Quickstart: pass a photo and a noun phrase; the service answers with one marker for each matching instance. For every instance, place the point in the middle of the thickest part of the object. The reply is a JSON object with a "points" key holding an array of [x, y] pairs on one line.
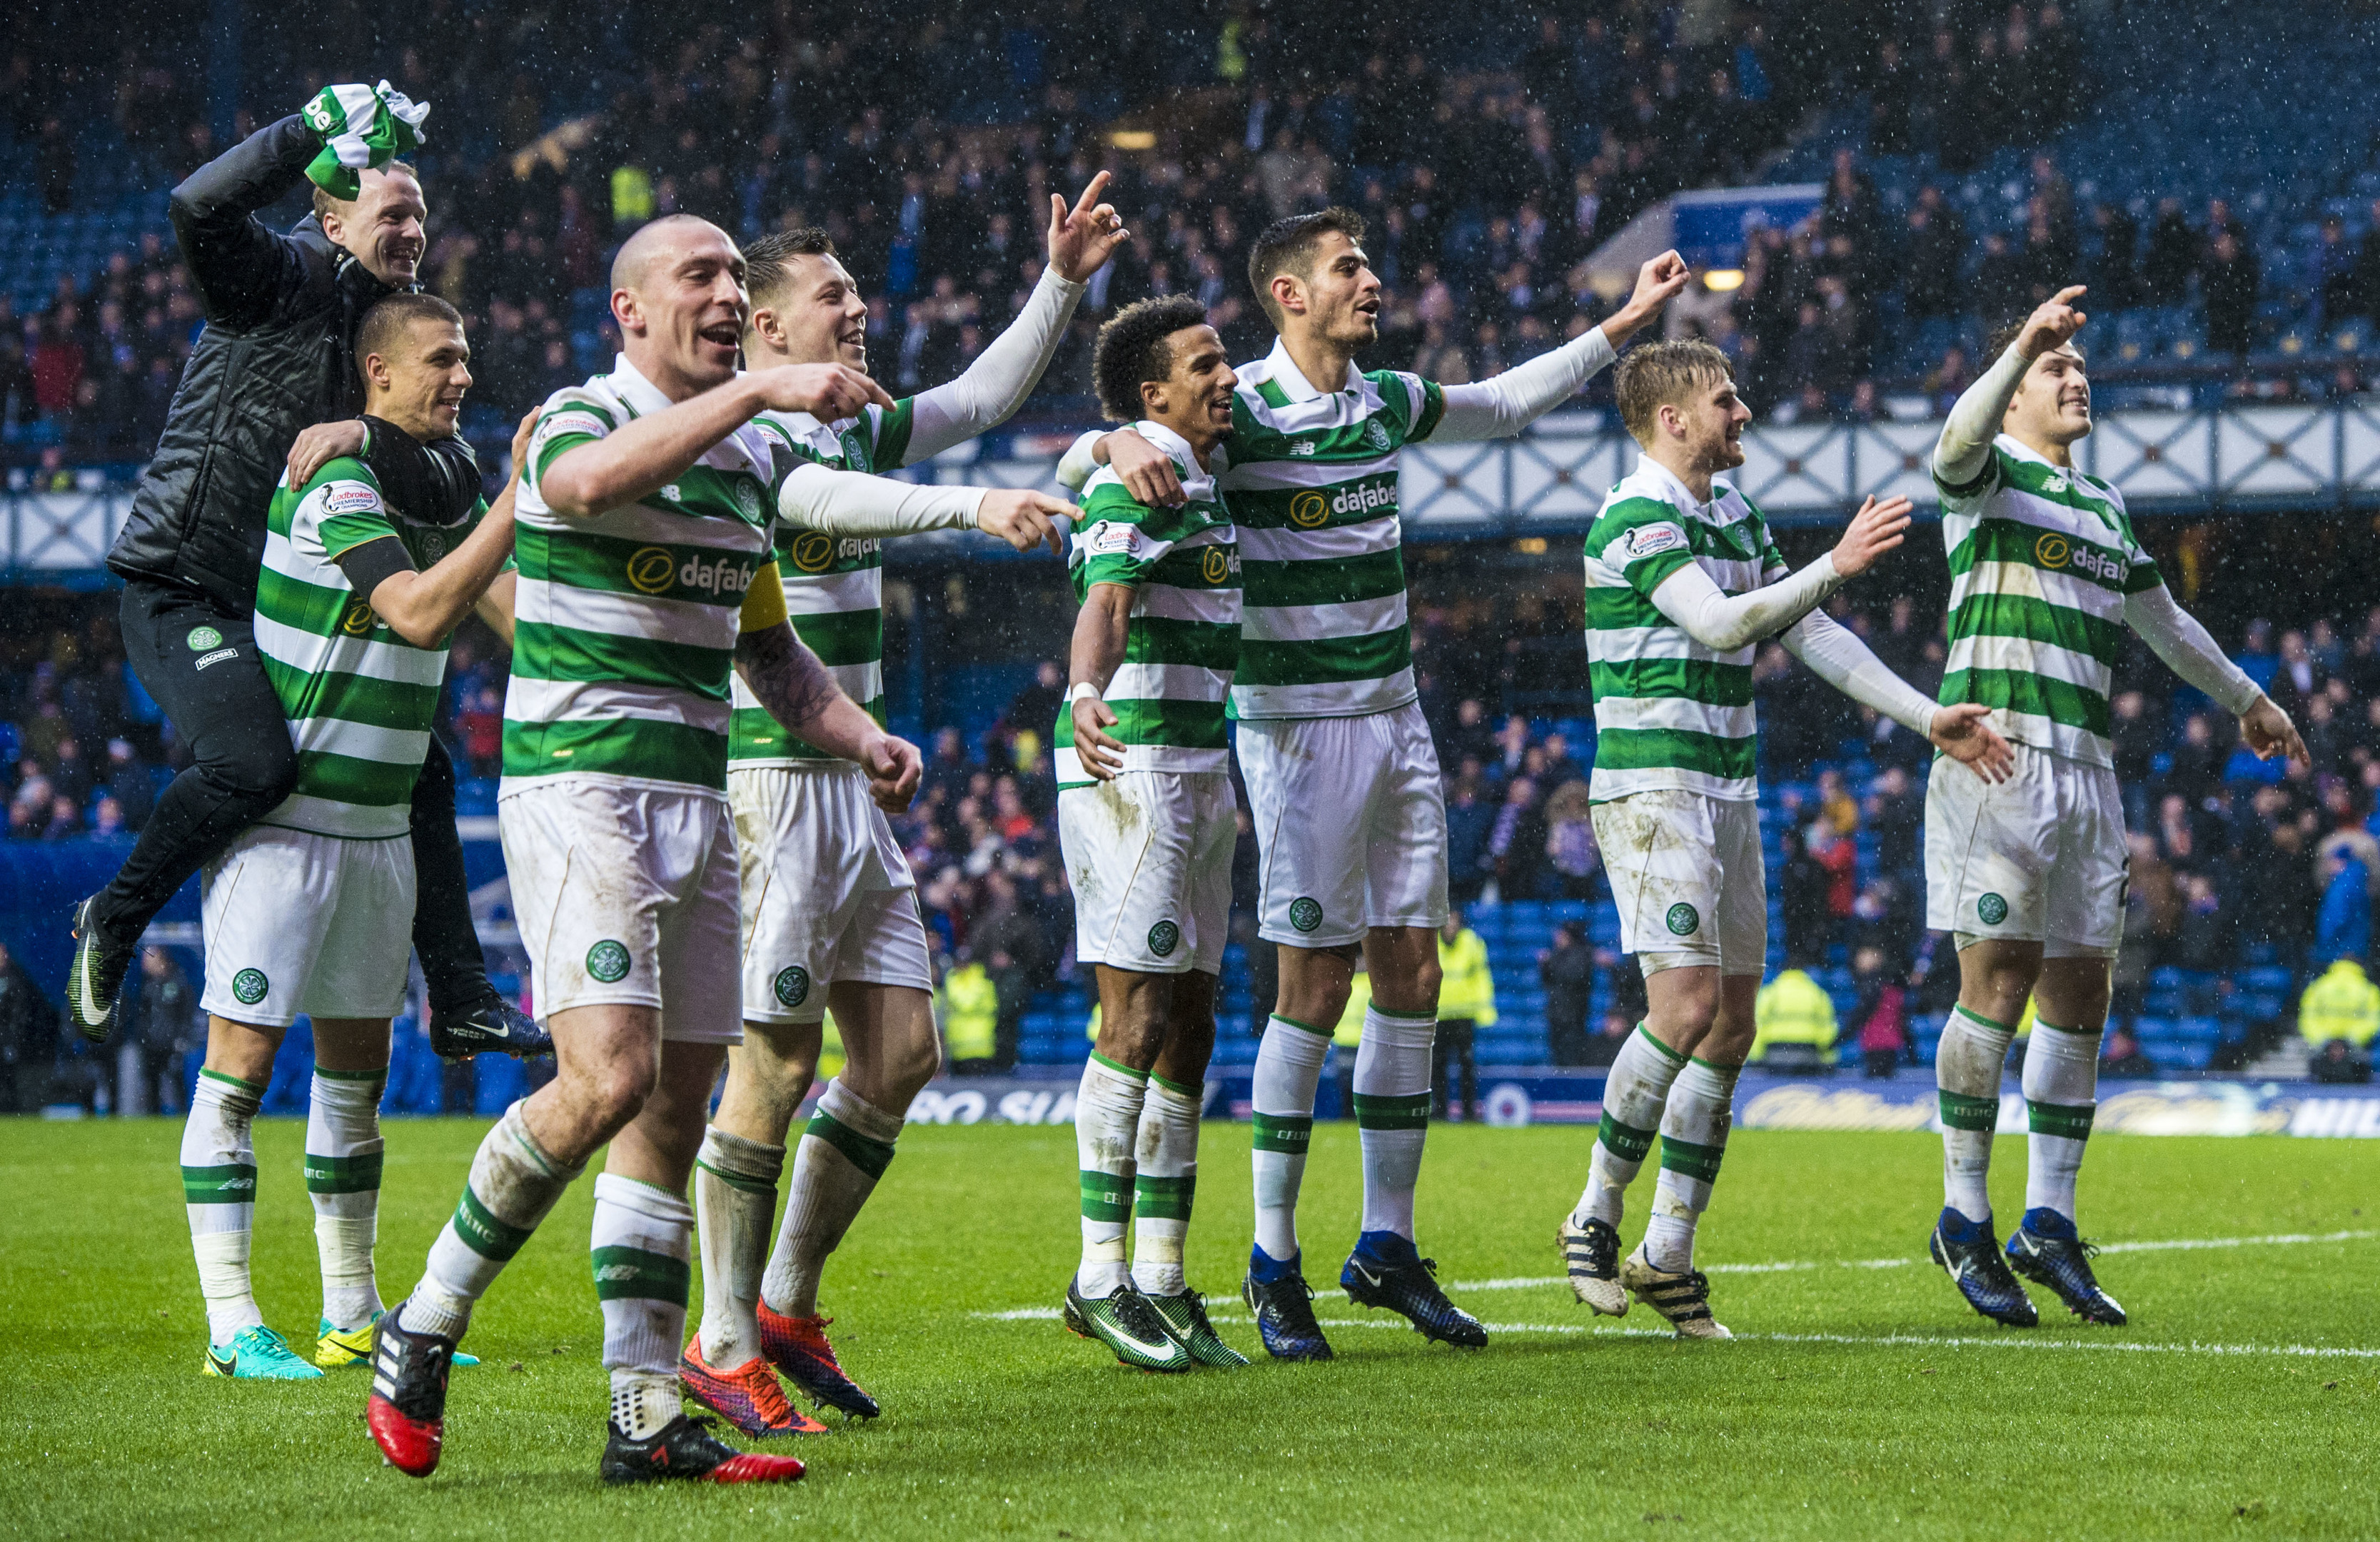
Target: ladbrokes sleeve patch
{"points": [[1649, 540], [348, 498], [571, 421], [1110, 539]]}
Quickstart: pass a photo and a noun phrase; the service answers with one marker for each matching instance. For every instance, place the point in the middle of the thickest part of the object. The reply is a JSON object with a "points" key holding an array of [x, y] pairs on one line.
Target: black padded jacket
{"points": [[276, 356]]}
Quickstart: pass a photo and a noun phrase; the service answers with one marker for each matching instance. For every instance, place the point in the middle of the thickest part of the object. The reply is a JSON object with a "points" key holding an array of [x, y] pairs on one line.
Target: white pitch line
{"points": [[1901, 1340], [2279, 1239]]}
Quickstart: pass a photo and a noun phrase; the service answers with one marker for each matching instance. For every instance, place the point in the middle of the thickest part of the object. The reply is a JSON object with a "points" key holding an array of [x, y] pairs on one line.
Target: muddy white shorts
{"points": [[625, 892], [2037, 859], [298, 923], [1687, 876], [1149, 858], [1351, 824], [828, 894]]}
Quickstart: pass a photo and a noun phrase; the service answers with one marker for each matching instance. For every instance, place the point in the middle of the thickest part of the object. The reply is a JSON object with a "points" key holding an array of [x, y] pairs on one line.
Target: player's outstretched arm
{"points": [[1101, 629], [1512, 401], [1974, 421], [638, 457], [1717, 620], [424, 606], [788, 680], [2175, 636], [1836, 655], [855, 504]]}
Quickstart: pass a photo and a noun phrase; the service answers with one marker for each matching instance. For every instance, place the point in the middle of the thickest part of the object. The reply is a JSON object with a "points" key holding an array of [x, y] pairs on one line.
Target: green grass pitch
{"points": [[2244, 1400]]}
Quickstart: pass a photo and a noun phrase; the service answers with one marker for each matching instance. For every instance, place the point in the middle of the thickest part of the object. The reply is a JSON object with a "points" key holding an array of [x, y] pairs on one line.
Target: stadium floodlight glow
{"points": [[1723, 280], [1134, 139]]}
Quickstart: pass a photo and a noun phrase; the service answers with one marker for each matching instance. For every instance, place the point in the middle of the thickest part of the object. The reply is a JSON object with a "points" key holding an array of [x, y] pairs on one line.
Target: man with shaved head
{"points": [[644, 521]]}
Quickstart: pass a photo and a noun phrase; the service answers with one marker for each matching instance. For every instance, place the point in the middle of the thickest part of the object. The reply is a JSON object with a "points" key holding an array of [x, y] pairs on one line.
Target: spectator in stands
{"points": [[2172, 257], [1517, 845], [968, 1007], [1466, 1003], [1838, 858], [1571, 848], [1793, 1023], [1566, 973], [1034, 708], [1469, 822], [2206, 942], [29, 1025], [2337, 1017], [129, 783], [1880, 1019], [2115, 274], [2343, 926], [1803, 888], [1896, 812], [1836, 804], [2229, 281], [1934, 249], [2123, 1057], [162, 1024]]}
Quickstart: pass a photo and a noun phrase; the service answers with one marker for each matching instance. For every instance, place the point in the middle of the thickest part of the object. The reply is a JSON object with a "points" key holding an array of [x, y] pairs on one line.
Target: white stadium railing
{"points": [[1553, 477]]}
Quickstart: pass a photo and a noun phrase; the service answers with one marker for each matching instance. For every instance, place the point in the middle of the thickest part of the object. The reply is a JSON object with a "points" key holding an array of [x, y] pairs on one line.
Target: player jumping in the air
{"points": [[1683, 582], [2029, 875], [354, 605], [646, 517], [1148, 820], [1342, 773], [829, 903]]}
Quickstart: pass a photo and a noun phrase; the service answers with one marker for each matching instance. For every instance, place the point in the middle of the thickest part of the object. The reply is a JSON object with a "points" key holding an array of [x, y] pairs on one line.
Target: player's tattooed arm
{"points": [[1101, 629], [780, 670]]}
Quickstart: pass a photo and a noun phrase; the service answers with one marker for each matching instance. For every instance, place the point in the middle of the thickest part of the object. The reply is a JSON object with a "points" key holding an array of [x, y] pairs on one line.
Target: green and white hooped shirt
{"points": [[1670, 713], [626, 625], [1312, 479], [2042, 557], [359, 699], [834, 584], [1184, 638]]}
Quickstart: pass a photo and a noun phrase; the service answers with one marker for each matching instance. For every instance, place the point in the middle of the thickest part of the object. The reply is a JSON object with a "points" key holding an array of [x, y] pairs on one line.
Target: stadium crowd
{"points": [[1487, 173]]}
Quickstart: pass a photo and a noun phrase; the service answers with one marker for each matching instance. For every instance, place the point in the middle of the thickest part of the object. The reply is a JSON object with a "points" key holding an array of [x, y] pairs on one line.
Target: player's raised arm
{"points": [[1965, 447], [1504, 406], [1003, 375]]}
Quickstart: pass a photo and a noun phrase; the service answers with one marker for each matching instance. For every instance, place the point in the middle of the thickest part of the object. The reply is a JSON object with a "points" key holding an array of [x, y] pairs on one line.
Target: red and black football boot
{"points": [[685, 1448], [408, 1410]]}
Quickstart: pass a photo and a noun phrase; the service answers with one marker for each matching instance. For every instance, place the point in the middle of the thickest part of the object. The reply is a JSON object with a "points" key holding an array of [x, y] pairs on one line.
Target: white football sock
{"points": [[1289, 1068], [1693, 1138], [512, 1184], [1392, 1086], [1967, 1077], [1107, 1125], [1166, 1177], [2061, 1092], [1634, 1094], [219, 1189], [734, 1201], [641, 1242], [844, 1151], [343, 1161]]}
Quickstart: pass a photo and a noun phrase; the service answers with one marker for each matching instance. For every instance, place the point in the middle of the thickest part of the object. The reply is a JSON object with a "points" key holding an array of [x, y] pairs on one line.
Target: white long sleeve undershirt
{"points": [[1975, 419], [854, 504], [1690, 598], [1836, 655], [1500, 407], [1002, 377], [2175, 636]]}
